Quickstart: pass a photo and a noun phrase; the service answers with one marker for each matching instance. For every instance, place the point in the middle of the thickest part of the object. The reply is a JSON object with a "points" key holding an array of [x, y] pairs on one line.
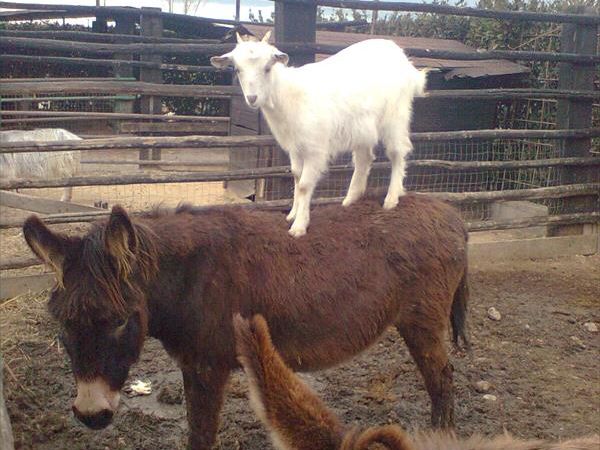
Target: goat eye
{"points": [[267, 69]]}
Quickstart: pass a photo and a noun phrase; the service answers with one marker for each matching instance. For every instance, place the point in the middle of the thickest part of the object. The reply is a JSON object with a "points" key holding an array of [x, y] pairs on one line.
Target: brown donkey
{"points": [[297, 419], [180, 276]]}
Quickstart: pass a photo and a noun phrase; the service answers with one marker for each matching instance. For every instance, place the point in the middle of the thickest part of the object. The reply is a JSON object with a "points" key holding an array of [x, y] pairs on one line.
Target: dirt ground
{"points": [[540, 360]]}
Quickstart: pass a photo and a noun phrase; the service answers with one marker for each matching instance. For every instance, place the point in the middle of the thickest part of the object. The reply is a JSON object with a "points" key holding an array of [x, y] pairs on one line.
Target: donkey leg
{"points": [[429, 352], [203, 399]]}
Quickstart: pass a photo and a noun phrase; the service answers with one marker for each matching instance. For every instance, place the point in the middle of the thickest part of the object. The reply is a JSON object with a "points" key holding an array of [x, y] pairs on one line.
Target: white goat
{"points": [[41, 164], [347, 102]]}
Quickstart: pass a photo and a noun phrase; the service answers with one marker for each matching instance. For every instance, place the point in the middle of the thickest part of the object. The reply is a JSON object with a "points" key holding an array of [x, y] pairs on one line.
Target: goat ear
{"points": [[266, 37], [281, 57], [120, 240], [239, 37], [221, 62], [48, 246]]}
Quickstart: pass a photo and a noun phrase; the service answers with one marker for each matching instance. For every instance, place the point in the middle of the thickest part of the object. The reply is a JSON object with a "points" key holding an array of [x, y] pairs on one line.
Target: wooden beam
{"points": [[116, 87], [173, 128], [19, 262], [590, 19], [267, 140], [560, 219], [538, 248], [297, 48], [115, 62], [113, 116], [40, 204], [102, 37], [23, 284]]}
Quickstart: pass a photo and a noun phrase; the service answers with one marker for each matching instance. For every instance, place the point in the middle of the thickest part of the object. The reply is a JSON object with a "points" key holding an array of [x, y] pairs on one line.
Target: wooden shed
{"points": [[430, 115]]}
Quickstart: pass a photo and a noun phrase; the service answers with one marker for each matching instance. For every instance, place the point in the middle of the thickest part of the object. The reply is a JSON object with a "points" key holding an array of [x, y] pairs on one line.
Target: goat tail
{"points": [[458, 314], [391, 437], [421, 81], [293, 414]]}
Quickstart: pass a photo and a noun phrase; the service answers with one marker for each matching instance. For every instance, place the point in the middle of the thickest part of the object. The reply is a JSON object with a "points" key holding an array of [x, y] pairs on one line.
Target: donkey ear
{"points": [[120, 240], [48, 246], [221, 62]]}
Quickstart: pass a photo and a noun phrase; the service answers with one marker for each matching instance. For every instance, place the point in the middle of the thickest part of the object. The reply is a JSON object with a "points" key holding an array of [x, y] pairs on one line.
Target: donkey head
{"points": [[100, 304]]}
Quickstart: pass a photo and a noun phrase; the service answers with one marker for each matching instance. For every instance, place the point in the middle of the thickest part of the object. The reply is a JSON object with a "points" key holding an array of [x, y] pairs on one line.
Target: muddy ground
{"points": [[541, 361]]}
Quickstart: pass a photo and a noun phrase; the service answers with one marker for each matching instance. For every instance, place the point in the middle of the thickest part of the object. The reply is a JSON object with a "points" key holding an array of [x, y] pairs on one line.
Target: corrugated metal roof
{"points": [[451, 68]]}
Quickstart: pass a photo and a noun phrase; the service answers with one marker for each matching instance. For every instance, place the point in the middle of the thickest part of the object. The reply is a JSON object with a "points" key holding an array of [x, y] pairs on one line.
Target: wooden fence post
{"points": [[124, 24], [295, 22], [576, 113], [151, 25]]}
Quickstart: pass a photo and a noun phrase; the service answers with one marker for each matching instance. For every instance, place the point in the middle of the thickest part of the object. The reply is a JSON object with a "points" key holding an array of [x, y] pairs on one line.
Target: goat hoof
{"points": [[290, 217], [347, 201], [297, 232], [390, 204]]}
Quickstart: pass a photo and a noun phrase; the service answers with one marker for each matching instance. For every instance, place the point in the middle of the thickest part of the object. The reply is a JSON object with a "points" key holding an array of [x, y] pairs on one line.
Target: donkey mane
{"points": [[107, 298]]}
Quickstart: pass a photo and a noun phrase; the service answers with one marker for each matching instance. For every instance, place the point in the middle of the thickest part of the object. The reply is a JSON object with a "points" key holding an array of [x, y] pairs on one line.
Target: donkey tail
{"points": [[391, 437], [289, 409], [458, 315]]}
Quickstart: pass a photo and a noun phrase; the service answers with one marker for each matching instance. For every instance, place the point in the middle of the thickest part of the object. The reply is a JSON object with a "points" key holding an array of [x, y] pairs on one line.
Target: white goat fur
{"points": [[40, 164], [346, 103]]}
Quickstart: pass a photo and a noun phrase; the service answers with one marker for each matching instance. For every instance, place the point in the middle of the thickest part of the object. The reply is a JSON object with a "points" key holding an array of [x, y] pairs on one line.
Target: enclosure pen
{"points": [[556, 167], [508, 134]]}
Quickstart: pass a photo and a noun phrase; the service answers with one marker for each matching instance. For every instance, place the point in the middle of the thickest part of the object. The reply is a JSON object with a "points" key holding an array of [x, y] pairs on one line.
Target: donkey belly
{"points": [[323, 341]]}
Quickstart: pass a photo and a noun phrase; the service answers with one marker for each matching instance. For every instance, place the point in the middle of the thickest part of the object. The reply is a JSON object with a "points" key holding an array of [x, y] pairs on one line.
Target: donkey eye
{"points": [[119, 325]]}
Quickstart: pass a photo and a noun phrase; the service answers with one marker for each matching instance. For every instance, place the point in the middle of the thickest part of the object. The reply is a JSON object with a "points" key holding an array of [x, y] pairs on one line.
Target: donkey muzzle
{"points": [[95, 421], [95, 404]]}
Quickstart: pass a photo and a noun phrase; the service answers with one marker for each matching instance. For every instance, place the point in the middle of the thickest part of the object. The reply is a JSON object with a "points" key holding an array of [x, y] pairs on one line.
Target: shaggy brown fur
{"points": [[181, 276], [297, 419]]}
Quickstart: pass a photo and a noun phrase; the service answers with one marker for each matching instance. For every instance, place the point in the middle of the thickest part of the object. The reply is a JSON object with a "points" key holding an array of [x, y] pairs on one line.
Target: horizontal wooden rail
{"points": [[452, 10], [296, 48], [117, 87], [510, 94], [492, 94], [112, 12], [19, 262], [158, 163], [69, 98], [88, 62], [45, 115], [453, 166], [562, 219], [136, 143], [63, 79], [459, 198], [85, 36], [272, 172]]}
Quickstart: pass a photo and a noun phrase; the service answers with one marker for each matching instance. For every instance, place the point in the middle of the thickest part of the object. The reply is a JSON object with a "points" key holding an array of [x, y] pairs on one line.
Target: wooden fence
{"points": [[295, 31]]}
